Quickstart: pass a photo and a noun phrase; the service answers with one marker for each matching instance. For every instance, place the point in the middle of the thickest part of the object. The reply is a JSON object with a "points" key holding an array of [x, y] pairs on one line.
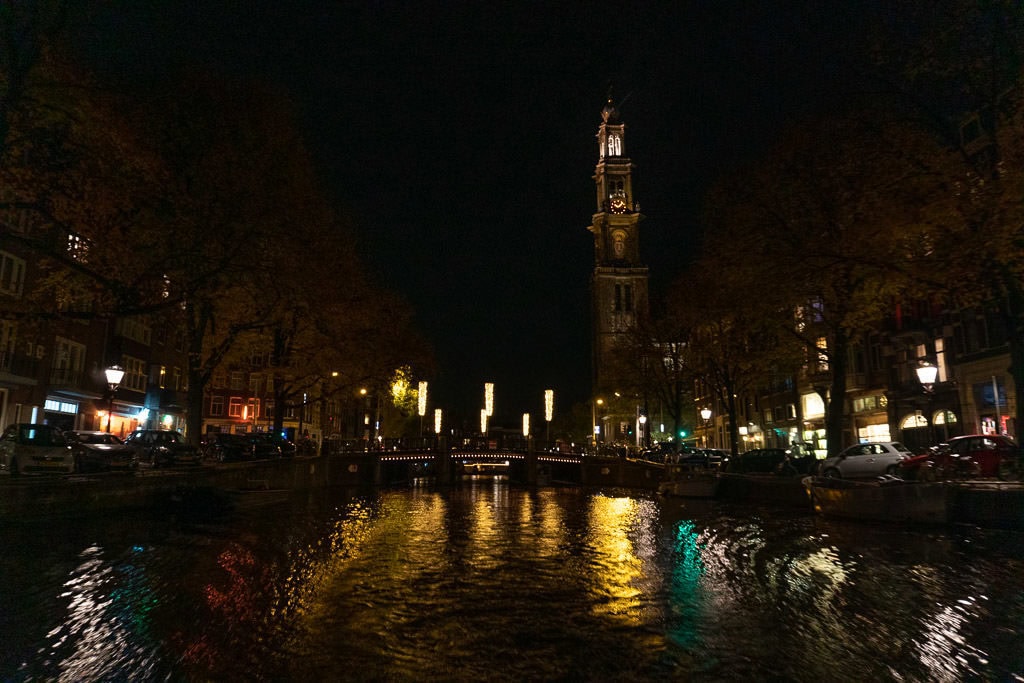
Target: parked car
{"points": [[160, 447], [35, 449], [285, 447], [995, 454], [757, 460], [870, 459], [798, 463], [263, 446], [939, 463], [224, 447], [663, 452], [705, 457], [716, 457], [100, 451]]}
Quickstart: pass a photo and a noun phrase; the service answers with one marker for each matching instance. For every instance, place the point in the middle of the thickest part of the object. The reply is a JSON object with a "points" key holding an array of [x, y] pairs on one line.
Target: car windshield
{"points": [[39, 436], [98, 438]]}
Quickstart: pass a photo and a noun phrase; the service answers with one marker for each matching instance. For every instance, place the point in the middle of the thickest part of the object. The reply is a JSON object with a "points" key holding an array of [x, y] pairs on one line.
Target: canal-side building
{"points": [[619, 282], [52, 368]]}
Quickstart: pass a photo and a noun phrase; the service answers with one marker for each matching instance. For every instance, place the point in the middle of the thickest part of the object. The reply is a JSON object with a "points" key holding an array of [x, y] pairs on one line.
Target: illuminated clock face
{"points": [[618, 205]]}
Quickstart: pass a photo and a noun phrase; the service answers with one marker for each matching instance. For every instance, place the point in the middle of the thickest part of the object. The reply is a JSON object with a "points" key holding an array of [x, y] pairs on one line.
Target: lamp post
{"points": [[641, 441], [115, 373], [926, 374], [705, 414], [593, 418]]}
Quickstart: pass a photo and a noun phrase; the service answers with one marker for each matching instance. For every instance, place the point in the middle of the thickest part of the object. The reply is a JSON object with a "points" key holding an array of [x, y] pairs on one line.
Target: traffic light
{"points": [[682, 433]]}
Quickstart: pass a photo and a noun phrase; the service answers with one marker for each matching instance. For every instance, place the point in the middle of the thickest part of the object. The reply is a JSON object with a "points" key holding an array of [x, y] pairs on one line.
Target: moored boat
{"points": [[689, 482], [888, 499]]}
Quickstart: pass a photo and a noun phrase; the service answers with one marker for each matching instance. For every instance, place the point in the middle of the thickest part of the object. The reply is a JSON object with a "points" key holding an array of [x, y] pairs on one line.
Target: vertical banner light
{"points": [[437, 420], [526, 424], [549, 412], [483, 420], [489, 398], [423, 399]]}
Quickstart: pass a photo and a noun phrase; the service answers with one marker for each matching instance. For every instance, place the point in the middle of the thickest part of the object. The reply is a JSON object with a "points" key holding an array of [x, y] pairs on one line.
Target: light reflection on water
{"points": [[489, 582]]}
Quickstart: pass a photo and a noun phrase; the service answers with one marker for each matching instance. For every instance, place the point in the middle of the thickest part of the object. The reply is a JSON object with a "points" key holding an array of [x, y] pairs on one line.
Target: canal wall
{"points": [[33, 496]]}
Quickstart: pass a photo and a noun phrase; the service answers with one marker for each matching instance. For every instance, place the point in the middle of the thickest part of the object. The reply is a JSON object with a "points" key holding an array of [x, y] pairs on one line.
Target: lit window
{"points": [[822, 345]]}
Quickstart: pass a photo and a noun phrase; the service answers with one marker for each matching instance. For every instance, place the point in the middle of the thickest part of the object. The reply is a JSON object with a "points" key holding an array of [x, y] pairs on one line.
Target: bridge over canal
{"points": [[523, 461]]}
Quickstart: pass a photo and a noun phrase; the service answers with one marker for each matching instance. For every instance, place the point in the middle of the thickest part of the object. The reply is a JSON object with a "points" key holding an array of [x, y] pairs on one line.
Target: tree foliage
{"points": [[196, 202]]}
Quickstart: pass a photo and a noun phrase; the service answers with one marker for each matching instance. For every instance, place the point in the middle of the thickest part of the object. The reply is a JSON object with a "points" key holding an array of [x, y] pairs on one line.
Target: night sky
{"points": [[459, 136]]}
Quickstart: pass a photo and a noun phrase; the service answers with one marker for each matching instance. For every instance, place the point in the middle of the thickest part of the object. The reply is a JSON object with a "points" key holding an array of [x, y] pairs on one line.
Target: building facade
{"points": [[52, 370]]}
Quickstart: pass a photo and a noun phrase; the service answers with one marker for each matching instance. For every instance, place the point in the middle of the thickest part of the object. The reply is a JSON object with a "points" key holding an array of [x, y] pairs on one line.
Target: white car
{"points": [[35, 449], [871, 459]]}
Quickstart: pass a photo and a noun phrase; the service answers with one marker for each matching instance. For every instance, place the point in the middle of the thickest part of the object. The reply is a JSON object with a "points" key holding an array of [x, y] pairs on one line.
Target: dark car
{"points": [[283, 446], [224, 447], [160, 447], [700, 457], [262, 446], [663, 452], [100, 451], [759, 460], [799, 460]]}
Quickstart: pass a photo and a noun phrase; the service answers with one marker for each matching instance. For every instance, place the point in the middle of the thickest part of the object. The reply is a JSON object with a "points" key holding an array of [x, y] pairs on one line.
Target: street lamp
{"points": [[641, 441], [926, 374], [115, 373], [593, 418], [705, 415]]}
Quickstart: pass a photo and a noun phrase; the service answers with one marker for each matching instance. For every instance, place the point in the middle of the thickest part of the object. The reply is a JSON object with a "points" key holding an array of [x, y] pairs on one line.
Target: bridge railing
{"points": [[426, 444], [429, 444]]}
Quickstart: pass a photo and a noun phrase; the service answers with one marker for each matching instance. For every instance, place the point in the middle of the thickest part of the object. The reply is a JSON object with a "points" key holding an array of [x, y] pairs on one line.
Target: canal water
{"points": [[490, 582]]}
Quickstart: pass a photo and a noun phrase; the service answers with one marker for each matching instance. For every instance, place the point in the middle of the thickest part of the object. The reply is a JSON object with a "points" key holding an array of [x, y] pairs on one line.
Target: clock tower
{"points": [[618, 286]]}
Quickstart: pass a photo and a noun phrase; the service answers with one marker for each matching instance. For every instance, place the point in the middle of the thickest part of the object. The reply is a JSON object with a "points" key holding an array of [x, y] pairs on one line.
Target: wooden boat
{"points": [[689, 481], [888, 499]]}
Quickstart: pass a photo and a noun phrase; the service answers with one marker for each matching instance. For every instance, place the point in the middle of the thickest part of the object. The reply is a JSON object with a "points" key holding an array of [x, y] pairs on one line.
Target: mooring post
{"points": [[531, 462], [443, 457]]}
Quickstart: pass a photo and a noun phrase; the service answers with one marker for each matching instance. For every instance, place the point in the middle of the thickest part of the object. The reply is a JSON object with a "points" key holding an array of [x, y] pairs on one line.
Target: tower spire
{"points": [[619, 283]]}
